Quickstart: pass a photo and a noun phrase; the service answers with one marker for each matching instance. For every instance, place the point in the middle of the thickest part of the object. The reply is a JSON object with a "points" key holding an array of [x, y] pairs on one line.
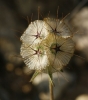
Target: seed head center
{"points": [[38, 52], [55, 48]]}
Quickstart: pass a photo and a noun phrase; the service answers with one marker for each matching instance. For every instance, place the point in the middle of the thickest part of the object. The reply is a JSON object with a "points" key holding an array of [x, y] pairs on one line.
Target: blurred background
{"points": [[15, 15]]}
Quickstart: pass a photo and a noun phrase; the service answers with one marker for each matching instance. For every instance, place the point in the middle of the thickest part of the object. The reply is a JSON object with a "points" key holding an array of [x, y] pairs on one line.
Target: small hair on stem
{"points": [[38, 12], [57, 11]]}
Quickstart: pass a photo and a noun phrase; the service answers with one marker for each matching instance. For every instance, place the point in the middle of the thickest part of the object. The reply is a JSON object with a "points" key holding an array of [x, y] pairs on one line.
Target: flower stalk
{"points": [[51, 89]]}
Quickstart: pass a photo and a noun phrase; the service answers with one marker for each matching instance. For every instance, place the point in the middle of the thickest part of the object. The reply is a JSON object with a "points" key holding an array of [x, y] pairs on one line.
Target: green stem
{"points": [[51, 88]]}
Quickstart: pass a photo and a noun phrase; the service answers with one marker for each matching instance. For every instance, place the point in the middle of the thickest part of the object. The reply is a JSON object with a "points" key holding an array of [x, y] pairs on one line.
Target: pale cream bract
{"points": [[59, 51], [34, 57], [35, 33], [58, 27]]}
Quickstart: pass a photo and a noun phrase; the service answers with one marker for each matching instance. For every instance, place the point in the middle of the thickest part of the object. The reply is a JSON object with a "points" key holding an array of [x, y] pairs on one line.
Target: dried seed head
{"points": [[47, 45]]}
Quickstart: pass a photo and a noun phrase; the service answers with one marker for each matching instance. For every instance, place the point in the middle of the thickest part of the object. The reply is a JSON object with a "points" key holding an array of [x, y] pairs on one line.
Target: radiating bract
{"points": [[59, 51], [58, 27], [34, 57], [35, 33]]}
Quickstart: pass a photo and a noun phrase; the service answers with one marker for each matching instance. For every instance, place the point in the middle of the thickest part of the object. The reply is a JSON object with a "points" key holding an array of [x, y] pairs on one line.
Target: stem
{"points": [[51, 89]]}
